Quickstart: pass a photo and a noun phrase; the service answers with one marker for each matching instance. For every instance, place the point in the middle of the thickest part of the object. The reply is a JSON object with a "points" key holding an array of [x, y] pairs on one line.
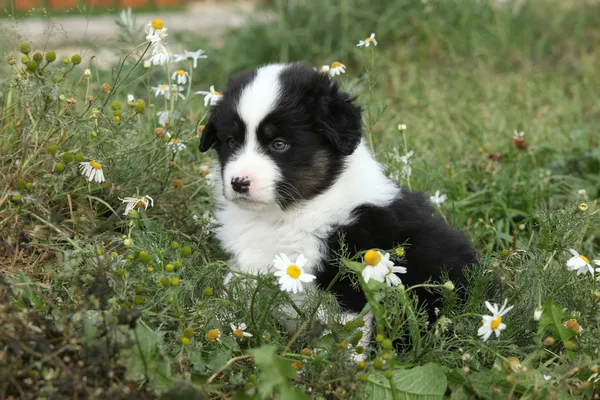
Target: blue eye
{"points": [[279, 145]]}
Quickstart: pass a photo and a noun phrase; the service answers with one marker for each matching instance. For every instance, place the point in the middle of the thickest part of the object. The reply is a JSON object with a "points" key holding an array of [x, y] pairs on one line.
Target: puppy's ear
{"points": [[341, 120], [208, 137]]}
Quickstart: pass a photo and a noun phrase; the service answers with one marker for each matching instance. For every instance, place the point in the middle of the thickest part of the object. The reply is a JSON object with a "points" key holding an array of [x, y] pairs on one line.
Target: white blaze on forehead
{"points": [[259, 98]]}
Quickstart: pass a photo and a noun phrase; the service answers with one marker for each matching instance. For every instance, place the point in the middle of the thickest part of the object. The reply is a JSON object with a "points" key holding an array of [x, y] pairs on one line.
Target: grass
{"points": [[131, 303]]}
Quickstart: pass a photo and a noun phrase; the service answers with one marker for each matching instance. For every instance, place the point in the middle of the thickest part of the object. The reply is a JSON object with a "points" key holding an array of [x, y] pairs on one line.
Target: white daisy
{"points": [[537, 313], [180, 76], [160, 55], [337, 68], [174, 143], [163, 117], [391, 279], [161, 90], [579, 263], [211, 97], [493, 323], [291, 275], [239, 332], [368, 41], [377, 265], [438, 199], [139, 202], [156, 33], [190, 55], [176, 89], [130, 99], [92, 170]]}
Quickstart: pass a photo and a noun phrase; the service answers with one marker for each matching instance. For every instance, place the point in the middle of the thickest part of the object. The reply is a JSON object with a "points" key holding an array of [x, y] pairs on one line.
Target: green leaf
{"points": [[276, 373], [552, 319], [427, 382], [353, 265]]}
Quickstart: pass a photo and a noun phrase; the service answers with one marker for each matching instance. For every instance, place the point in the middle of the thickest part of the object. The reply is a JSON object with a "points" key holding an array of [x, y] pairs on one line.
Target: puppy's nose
{"points": [[240, 185]]}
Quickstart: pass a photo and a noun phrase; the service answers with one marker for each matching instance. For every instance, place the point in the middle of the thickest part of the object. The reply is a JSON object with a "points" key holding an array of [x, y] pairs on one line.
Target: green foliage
{"points": [[137, 302]]}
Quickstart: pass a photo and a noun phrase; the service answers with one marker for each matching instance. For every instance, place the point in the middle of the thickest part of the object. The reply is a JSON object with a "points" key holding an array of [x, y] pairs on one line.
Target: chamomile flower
{"points": [[174, 143], [92, 170], [163, 117], [239, 331], [139, 202], [337, 68], [493, 323], [579, 263], [130, 99], [211, 97], [378, 265], [161, 90], [180, 76], [391, 279], [160, 55], [438, 198], [213, 335], [537, 313], [291, 275], [156, 33], [191, 56], [368, 41]]}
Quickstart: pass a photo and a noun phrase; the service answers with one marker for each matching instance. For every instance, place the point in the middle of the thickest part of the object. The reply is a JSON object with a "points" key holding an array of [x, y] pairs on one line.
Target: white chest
{"points": [[254, 242]]}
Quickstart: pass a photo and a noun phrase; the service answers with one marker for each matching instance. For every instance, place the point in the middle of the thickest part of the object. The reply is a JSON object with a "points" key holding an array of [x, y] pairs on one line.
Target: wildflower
{"points": [[337, 68], [164, 90], [573, 325], [214, 335], [378, 266], [537, 313], [191, 56], [174, 143], [512, 364], [92, 170], [185, 340], [438, 199], [239, 332], [519, 140], [147, 64], [405, 160], [139, 202], [291, 275], [163, 117], [579, 263], [547, 377], [494, 322], [391, 279], [87, 73], [106, 87], [211, 97], [401, 127], [156, 33], [130, 100], [448, 285], [160, 56], [180, 76], [368, 41], [583, 207]]}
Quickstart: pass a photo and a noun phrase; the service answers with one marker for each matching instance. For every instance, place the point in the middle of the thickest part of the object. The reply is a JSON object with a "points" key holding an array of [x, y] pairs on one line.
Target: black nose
{"points": [[240, 185]]}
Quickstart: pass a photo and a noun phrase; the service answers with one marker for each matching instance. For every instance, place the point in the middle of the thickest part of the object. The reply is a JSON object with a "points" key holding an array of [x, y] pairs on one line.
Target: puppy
{"points": [[295, 173]]}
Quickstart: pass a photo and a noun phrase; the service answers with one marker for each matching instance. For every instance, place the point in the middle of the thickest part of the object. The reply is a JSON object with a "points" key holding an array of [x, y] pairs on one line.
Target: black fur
{"points": [[432, 246]]}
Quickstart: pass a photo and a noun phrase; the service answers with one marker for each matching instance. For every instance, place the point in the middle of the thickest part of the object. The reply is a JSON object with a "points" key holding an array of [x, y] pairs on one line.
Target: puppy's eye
{"points": [[231, 142], [279, 145]]}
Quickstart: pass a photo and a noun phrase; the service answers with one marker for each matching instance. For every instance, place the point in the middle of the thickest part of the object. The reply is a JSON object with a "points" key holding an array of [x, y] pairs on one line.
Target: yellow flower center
{"points": [[369, 39], [174, 140], [158, 24], [584, 258], [573, 325], [294, 271], [583, 206], [372, 257], [297, 366], [336, 64], [163, 86], [140, 203], [213, 335], [238, 333], [180, 72], [95, 165], [216, 93], [496, 322], [389, 271]]}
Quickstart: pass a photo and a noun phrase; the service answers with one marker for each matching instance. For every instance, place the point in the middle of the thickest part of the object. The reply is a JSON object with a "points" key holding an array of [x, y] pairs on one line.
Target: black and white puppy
{"points": [[295, 172]]}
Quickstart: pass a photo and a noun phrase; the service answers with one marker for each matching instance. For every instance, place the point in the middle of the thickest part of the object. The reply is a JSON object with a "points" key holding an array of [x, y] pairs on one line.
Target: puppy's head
{"points": [[282, 133]]}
